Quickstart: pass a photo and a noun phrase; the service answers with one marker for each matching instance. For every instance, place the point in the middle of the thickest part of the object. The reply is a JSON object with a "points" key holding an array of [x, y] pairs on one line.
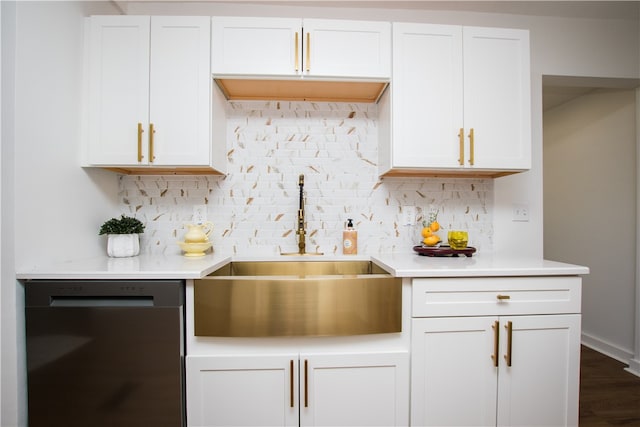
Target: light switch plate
{"points": [[521, 212]]}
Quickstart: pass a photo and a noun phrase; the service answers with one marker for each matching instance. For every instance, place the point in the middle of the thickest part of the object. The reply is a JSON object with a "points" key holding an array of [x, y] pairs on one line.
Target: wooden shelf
{"points": [[301, 90], [446, 173], [163, 171]]}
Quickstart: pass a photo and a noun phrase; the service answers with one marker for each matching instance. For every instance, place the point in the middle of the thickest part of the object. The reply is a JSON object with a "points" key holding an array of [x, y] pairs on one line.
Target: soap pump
{"points": [[349, 239]]}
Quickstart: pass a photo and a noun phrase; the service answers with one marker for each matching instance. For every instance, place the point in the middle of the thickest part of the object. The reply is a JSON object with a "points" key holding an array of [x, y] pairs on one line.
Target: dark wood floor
{"points": [[609, 395]]}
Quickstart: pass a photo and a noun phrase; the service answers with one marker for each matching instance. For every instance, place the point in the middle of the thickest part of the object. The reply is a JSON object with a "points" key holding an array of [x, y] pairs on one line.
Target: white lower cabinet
{"points": [[306, 389], [506, 368]]}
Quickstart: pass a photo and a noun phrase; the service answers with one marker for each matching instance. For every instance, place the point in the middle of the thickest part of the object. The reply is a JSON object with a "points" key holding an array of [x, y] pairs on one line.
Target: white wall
{"points": [[51, 207], [590, 209], [59, 207], [49, 110], [1, 157], [11, 389]]}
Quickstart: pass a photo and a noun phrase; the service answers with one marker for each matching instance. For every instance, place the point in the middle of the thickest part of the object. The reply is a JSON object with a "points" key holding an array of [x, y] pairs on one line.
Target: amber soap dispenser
{"points": [[350, 239]]}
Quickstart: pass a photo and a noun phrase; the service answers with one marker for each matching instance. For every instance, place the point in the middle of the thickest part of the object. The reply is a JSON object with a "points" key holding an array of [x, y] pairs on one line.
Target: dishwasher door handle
{"points": [[98, 301]]}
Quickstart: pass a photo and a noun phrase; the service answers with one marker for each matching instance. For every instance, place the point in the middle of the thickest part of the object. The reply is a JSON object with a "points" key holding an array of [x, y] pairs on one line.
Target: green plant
{"points": [[122, 225]]}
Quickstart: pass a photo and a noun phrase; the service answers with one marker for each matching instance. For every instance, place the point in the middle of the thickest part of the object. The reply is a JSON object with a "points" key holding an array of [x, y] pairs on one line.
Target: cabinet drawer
{"points": [[495, 296]]}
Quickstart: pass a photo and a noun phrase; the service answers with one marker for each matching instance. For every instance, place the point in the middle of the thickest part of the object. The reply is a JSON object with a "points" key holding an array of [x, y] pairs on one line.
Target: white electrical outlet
{"points": [[408, 215], [521, 212], [200, 214]]}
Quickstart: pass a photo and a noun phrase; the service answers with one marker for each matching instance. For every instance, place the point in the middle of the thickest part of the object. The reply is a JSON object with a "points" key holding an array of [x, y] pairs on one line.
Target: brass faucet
{"points": [[300, 231]]}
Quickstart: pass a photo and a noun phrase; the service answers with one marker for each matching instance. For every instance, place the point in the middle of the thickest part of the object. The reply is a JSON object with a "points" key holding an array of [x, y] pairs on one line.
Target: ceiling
{"points": [[575, 9], [554, 96], [557, 90]]}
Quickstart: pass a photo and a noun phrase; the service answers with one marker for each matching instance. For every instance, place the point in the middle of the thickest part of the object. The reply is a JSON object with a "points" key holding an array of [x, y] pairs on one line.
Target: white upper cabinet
{"points": [[459, 102], [179, 91], [497, 97], [149, 93], [301, 59], [301, 47], [256, 46], [118, 96], [334, 48]]}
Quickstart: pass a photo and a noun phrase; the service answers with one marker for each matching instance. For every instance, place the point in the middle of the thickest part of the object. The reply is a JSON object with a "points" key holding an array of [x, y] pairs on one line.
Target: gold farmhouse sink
{"points": [[297, 298]]}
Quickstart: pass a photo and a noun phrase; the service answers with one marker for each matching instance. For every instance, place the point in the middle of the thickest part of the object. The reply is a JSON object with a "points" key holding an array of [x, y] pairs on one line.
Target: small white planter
{"points": [[123, 245]]}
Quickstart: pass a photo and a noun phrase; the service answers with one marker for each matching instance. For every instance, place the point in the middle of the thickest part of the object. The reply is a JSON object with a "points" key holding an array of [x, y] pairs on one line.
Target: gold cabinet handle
{"points": [[306, 383], [152, 132], [461, 148], [297, 52], [291, 402], [140, 131], [471, 146], [496, 343], [509, 328], [503, 297], [307, 61]]}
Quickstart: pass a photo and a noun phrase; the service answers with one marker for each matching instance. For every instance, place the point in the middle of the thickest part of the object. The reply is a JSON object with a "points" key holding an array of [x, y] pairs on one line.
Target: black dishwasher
{"points": [[105, 353]]}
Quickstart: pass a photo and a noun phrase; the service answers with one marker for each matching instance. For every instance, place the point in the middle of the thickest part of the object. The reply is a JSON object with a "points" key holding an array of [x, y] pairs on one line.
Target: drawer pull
{"points": [[496, 342], [503, 297], [509, 328]]}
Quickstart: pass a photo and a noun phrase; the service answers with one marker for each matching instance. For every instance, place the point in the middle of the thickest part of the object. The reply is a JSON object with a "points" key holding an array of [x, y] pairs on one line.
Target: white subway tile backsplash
{"points": [[334, 145]]}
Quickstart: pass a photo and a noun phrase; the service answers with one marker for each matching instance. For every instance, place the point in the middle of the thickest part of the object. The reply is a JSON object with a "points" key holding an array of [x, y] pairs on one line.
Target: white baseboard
{"points": [[604, 347], [634, 367]]}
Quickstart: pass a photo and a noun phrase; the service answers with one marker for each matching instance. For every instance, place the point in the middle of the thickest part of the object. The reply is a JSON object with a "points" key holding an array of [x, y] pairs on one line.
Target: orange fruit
{"points": [[426, 232], [431, 240], [434, 226]]}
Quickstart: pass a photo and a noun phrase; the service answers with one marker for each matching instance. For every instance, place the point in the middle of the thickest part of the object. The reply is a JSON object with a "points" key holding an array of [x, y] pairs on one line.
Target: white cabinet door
{"points": [[256, 46], [337, 48], [149, 91], [453, 377], [354, 389], [370, 389], [118, 68], [242, 390], [426, 95], [180, 88], [460, 377], [541, 387], [460, 99], [293, 47], [497, 97]]}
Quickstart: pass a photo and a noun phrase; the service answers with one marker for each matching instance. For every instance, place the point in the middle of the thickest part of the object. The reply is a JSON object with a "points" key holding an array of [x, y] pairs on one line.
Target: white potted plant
{"points": [[123, 236]]}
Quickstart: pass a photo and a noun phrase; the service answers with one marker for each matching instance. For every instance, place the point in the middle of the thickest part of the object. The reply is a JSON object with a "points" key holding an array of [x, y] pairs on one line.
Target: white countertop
{"points": [[138, 267], [408, 264]]}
